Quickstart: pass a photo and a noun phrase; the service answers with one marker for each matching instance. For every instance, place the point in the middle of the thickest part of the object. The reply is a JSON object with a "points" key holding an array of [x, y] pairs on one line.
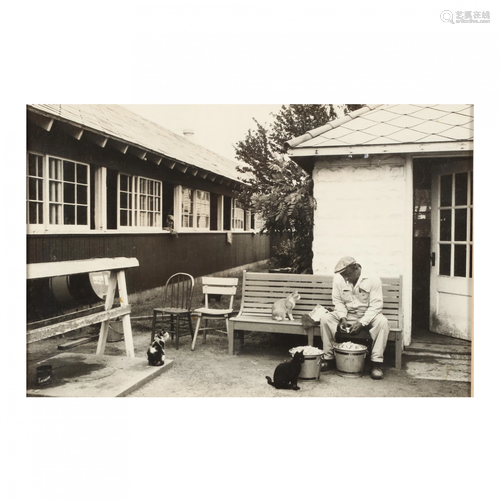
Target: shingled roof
{"points": [[116, 122], [385, 128]]}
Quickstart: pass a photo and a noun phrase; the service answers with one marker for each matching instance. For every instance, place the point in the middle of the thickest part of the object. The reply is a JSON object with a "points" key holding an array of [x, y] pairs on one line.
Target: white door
{"points": [[451, 247]]}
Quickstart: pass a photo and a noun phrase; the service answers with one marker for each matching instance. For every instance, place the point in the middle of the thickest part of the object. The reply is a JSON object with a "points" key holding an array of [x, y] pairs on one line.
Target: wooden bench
{"points": [[261, 290], [117, 267]]}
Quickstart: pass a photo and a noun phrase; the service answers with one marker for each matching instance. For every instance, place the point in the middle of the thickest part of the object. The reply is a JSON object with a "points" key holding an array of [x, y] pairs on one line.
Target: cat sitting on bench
{"points": [[286, 374], [282, 308], [156, 351]]}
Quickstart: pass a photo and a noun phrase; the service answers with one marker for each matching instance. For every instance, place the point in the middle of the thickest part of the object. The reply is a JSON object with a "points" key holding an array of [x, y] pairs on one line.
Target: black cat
{"points": [[286, 374], [156, 351]]}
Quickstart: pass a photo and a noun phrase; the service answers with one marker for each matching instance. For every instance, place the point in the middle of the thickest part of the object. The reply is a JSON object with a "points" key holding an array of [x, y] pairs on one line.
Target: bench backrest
{"points": [[261, 290], [393, 301]]}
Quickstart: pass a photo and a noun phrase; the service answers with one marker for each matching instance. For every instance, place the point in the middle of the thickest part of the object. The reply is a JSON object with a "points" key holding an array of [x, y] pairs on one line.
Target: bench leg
{"points": [[310, 336], [399, 350], [230, 337]]}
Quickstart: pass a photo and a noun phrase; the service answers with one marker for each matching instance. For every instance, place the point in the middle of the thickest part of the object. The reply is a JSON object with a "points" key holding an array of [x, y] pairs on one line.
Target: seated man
{"points": [[358, 303]]}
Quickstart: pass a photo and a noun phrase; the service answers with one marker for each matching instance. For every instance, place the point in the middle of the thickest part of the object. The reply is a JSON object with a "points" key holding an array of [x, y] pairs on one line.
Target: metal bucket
{"points": [[350, 363], [311, 367]]}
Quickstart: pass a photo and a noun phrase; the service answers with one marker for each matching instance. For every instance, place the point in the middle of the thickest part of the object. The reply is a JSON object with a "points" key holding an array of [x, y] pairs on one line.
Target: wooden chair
{"points": [[214, 287], [176, 304]]}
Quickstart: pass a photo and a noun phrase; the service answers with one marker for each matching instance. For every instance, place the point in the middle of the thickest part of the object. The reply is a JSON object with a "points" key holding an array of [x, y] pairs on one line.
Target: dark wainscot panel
{"points": [[159, 255]]}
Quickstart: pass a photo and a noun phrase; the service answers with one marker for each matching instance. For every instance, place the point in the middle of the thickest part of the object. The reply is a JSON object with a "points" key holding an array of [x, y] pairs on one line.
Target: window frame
{"points": [[46, 226], [135, 209], [195, 214], [241, 219]]}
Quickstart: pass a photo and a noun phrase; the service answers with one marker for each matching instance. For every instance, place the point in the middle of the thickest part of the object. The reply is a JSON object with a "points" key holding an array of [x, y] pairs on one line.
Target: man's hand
{"points": [[355, 328], [343, 325]]}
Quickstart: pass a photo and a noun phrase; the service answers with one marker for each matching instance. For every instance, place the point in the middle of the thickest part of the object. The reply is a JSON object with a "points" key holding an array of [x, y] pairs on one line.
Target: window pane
{"points": [[69, 193], [460, 260], [123, 182], [461, 188], [445, 225], [32, 213], [446, 181], [40, 166], [461, 224], [54, 191], [123, 218], [69, 171], [54, 172], [123, 200], [81, 194], [444, 260], [81, 174], [40, 190], [32, 170], [81, 215], [471, 188], [32, 183], [69, 214]]}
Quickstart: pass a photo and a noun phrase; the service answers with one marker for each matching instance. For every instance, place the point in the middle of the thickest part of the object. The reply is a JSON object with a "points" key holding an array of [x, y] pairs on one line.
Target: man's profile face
{"points": [[349, 273]]}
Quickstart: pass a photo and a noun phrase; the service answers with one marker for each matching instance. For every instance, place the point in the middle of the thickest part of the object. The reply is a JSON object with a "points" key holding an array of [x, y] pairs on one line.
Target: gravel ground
{"points": [[210, 372]]}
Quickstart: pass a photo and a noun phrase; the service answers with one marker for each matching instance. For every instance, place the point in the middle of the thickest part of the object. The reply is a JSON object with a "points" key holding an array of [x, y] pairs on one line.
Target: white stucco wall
{"points": [[363, 211]]}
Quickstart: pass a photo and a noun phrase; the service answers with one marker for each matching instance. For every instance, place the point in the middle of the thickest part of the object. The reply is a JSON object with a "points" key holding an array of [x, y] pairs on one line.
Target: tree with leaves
{"points": [[277, 189]]}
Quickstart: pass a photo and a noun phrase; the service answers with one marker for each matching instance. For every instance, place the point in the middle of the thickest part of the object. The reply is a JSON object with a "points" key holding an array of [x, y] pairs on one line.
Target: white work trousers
{"points": [[379, 332]]}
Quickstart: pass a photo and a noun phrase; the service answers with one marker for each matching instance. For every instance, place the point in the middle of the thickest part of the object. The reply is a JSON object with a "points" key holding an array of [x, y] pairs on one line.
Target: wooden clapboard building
{"points": [[105, 182]]}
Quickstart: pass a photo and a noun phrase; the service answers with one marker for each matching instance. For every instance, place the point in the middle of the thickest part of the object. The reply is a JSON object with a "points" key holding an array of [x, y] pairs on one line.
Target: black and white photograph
{"points": [[218, 284], [158, 267]]}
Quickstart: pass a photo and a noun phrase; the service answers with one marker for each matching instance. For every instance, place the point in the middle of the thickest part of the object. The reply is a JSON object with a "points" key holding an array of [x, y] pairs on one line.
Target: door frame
{"points": [[408, 261]]}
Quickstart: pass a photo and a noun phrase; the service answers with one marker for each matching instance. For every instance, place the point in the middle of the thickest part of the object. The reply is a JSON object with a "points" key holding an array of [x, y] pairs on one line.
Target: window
{"points": [[35, 197], [237, 215], [258, 222], [57, 192], [194, 208], [139, 201], [455, 225]]}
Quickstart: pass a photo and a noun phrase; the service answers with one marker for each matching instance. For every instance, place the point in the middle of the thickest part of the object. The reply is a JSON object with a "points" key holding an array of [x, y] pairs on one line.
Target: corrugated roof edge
{"points": [[296, 141]]}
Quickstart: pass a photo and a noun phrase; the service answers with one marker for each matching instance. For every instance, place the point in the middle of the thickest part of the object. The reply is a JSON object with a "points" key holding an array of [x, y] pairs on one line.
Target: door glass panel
{"points": [[444, 260], [445, 225], [461, 224], [446, 181], [461, 188], [471, 189], [460, 260], [470, 261], [471, 225]]}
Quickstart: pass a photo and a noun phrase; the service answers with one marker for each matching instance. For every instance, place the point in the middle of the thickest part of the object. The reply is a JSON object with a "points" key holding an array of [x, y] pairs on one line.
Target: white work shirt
{"points": [[363, 300]]}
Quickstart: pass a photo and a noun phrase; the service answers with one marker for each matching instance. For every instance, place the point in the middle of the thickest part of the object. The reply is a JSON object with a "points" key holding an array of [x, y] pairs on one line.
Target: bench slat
{"points": [[316, 278]]}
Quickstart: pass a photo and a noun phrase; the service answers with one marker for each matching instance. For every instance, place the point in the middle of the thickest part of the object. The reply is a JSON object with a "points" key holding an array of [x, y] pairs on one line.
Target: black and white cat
{"points": [[156, 351], [286, 374]]}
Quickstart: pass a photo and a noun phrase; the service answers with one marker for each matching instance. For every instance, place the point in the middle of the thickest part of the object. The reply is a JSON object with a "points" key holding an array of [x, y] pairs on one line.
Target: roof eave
{"points": [[413, 147], [156, 156]]}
